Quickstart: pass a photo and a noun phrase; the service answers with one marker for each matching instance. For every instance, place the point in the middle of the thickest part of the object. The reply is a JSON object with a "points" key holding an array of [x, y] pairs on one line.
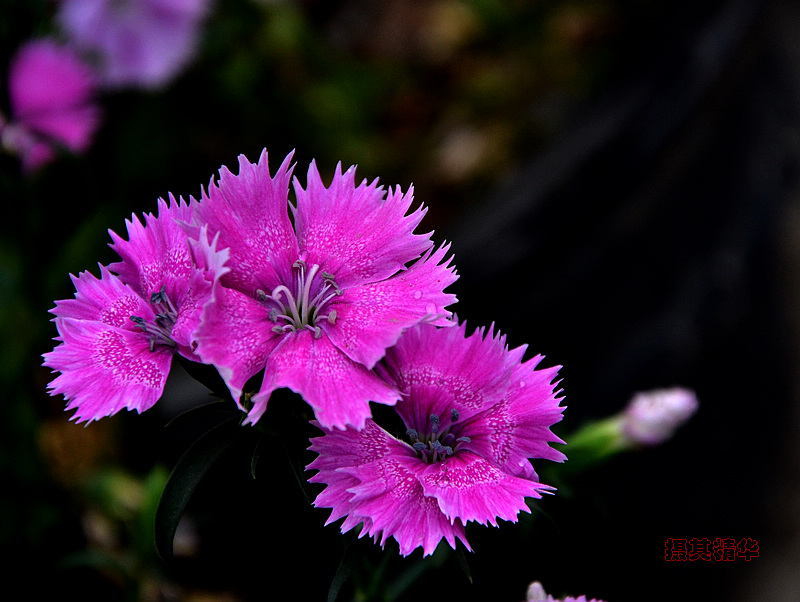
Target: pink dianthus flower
{"points": [[474, 414], [118, 335], [51, 97], [316, 302]]}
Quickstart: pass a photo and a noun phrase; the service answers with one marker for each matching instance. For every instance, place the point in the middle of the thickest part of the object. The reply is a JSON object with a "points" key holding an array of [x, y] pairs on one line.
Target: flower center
{"points": [[293, 310], [438, 442], [160, 327]]}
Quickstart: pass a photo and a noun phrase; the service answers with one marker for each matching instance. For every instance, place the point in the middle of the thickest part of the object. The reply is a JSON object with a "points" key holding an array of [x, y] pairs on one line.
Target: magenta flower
{"points": [[51, 96], [316, 304], [474, 414], [137, 42], [119, 333]]}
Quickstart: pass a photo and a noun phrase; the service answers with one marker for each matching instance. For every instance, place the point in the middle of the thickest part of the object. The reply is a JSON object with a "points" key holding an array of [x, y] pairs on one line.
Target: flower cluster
{"points": [[337, 298], [312, 302]]}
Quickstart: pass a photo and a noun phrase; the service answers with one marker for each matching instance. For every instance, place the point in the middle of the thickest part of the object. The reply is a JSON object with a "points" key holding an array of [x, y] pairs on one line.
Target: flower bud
{"points": [[652, 417]]}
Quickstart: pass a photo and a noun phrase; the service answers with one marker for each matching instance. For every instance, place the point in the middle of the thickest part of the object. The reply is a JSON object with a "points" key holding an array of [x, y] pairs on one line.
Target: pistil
{"points": [[438, 443]]}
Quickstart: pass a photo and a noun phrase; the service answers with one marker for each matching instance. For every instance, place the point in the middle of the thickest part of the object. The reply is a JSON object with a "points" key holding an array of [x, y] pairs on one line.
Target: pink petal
{"points": [[210, 265], [518, 427], [342, 449], [207, 256], [235, 335], [249, 212], [158, 253], [372, 317], [358, 234], [470, 488], [105, 369], [337, 388], [438, 370], [105, 300], [191, 306], [392, 497]]}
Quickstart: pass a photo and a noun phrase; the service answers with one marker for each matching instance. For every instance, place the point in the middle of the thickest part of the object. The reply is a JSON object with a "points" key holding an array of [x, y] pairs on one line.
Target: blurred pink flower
{"points": [[51, 96], [142, 43]]}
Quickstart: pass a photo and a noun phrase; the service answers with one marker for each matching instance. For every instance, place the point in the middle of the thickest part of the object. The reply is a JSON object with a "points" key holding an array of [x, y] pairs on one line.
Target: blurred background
{"points": [[619, 180]]}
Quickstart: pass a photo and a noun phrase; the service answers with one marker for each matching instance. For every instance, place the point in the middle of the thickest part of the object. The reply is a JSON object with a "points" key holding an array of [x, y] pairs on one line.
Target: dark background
{"points": [[619, 181]]}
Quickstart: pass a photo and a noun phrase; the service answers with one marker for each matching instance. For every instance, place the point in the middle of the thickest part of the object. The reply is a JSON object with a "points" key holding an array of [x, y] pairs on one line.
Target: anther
{"points": [[454, 415], [441, 449], [434, 423]]}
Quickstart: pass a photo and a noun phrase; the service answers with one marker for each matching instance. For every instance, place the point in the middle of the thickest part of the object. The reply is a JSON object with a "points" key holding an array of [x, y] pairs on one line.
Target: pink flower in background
{"points": [[119, 333], [652, 417], [316, 303], [536, 593], [474, 414], [51, 96], [142, 43]]}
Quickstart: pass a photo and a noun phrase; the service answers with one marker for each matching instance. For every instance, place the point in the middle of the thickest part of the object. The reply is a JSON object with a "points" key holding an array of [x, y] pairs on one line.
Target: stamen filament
{"points": [[439, 443], [160, 327], [289, 298], [298, 309]]}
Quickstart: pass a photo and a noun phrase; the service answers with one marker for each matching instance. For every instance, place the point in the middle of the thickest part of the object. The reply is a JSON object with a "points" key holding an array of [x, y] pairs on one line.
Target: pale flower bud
{"points": [[652, 417], [536, 593]]}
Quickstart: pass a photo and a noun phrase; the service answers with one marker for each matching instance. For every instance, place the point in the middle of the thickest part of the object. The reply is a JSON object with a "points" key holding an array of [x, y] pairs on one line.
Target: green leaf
{"points": [[144, 535], [219, 407], [343, 572], [262, 443], [185, 477], [462, 562]]}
